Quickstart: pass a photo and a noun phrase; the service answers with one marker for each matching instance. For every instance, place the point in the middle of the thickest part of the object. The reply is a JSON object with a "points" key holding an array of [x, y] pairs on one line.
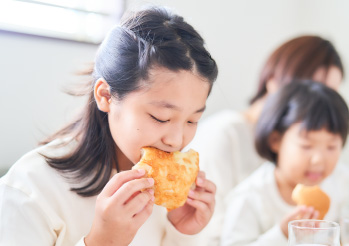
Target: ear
{"points": [[274, 141], [102, 95], [272, 86]]}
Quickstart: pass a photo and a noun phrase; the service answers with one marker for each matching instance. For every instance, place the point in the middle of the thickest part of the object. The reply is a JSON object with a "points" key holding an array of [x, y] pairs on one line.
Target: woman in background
{"points": [[225, 140], [149, 86], [301, 132]]}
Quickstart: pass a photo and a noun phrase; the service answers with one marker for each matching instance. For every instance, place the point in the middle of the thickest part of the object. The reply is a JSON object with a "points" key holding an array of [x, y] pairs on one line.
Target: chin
{"points": [[312, 182]]}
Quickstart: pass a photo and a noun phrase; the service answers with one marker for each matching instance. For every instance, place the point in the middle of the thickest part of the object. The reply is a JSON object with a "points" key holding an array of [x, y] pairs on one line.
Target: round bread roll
{"points": [[173, 173], [312, 196]]}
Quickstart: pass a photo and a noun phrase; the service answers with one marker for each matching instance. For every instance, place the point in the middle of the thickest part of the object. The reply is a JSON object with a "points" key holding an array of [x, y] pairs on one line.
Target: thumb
{"points": [[294, 215]]}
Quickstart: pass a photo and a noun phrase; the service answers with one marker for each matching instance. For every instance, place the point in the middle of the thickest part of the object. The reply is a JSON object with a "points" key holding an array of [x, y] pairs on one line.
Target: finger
{"points": [[137, 203], [119, 179], [315, 215], [202, 174], [199, 205], [206, 184], [308, 213], [199, 178], [205, 197], [144, 214], [301, 210], [127, 190], [297, 213]]}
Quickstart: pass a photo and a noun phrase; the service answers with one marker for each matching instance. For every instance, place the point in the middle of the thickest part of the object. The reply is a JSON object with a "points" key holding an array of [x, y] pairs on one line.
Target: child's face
{"points": [[307, 157], [164, 114]]}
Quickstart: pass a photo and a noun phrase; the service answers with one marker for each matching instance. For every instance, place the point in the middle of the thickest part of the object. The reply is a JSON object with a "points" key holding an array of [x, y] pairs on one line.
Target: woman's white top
{"points": [[255, 208], [225, 143], [38, 208]]}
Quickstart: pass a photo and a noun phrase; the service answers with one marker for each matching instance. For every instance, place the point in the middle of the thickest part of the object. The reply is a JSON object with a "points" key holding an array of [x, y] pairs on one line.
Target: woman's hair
{"points": [[310, 103], [146, 39], [299, 58]]}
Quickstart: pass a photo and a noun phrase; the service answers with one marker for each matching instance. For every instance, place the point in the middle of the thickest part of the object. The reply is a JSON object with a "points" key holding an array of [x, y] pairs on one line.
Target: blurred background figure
{"points": [[301, 133], [225, 140]]}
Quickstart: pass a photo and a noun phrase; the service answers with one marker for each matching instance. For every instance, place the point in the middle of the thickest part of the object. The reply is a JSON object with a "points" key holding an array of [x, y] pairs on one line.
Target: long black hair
{"points": [[145, 39], [310, 103]]}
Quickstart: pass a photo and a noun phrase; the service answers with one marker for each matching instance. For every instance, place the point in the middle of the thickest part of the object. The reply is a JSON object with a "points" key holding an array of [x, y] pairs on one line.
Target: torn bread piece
{"points": [[312, 196], [174, 173]]}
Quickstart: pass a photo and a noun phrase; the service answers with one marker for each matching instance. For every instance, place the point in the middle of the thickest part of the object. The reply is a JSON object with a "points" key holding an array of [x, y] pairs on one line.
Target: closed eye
{"points": [[332, 147], [193, 123], [306, 146], [158, 120]]}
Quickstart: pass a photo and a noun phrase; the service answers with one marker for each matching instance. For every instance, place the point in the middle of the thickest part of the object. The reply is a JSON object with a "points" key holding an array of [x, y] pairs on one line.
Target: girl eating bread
{"points": [[150, 81]]}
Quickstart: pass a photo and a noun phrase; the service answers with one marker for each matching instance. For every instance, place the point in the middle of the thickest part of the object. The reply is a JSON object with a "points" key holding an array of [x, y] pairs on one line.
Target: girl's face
{"points": [[306, 157], [164, 114]]}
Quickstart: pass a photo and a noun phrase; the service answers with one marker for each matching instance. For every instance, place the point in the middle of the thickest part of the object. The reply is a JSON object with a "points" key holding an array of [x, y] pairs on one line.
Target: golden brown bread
{"points": [[312, 196], [174, 173]]}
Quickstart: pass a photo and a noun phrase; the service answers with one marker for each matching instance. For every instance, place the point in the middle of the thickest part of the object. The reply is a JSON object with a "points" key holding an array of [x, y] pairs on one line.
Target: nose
{"points": [[318, 158], [174, 137]]}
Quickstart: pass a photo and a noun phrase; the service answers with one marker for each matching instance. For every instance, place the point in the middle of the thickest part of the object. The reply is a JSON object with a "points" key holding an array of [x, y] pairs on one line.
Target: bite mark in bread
{"points": [[173, 173]]}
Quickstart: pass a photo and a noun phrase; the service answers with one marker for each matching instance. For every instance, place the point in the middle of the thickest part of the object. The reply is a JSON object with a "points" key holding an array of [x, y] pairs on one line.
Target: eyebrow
{"points": [[305, 135], [164, 104]]}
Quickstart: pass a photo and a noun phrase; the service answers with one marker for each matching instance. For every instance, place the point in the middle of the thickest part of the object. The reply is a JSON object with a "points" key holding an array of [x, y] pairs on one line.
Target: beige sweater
{"points": [[37, 208], [255, 207], [225, 144]]}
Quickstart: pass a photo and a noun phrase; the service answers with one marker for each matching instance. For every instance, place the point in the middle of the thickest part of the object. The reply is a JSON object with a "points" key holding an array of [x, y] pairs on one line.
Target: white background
{"points": [[240, 34]]}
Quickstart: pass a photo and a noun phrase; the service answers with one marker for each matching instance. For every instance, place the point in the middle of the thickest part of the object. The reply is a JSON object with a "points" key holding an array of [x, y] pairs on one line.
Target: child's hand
{"points": [[198, 209], [301, 212], [121, 209]]}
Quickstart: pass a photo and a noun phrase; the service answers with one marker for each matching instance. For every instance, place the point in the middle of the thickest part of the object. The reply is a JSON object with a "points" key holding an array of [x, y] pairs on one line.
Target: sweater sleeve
{"points": [[243, 225], [81, 242], [219, 161], [22, 221]]}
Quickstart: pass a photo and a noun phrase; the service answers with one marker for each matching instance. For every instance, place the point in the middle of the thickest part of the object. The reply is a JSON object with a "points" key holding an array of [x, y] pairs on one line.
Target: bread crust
{"points": [[173, 173], [312, 196]]}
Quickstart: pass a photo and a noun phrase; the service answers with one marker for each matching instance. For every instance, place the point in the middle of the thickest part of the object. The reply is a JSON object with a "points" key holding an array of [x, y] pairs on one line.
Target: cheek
{"points": [[287, 153], [126, 133], [332, 161], [189, 134], [292, 160], [293, 167]]}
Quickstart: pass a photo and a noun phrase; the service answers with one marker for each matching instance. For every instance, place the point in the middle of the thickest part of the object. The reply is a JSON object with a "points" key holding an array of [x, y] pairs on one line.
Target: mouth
{"points": [[314, 176], [142, 152]]}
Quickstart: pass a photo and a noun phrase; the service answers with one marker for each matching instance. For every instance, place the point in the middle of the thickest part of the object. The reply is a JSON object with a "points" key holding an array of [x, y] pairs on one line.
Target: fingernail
{"points": [[189, 199], [151, 191], [141, 171], [151, 181], [191, 193], [199, 181]]}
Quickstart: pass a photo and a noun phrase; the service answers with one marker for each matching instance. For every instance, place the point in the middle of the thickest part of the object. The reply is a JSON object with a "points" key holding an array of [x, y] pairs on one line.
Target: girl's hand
{"points": [[301, 212], [121, 209], [198, 209]]}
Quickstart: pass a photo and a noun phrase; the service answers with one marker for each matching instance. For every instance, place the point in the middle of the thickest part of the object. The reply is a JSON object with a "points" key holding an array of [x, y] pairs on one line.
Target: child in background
{"points": [[301, 131], [225, 140], [151, 79]]}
